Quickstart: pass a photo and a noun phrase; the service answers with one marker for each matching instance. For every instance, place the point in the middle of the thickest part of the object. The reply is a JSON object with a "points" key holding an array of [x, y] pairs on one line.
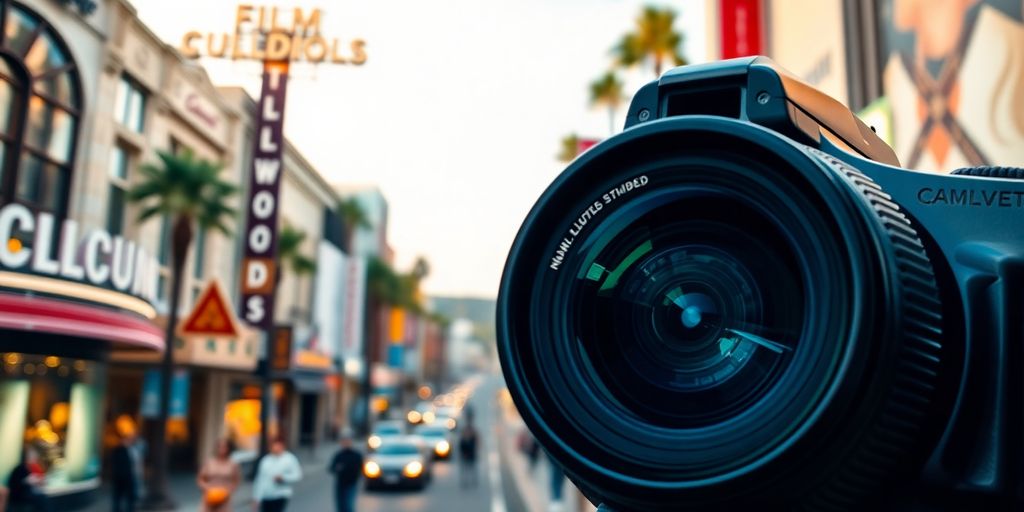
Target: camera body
{"points": [[742, 300]]}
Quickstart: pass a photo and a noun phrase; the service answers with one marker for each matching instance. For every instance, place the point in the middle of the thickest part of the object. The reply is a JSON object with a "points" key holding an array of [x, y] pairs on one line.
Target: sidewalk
{"points": [[533, 486], [184, 490]]}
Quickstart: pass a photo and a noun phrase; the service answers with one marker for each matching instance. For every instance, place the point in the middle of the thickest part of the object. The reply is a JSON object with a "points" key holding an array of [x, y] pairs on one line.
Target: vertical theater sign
{"points": [[279, 38]]}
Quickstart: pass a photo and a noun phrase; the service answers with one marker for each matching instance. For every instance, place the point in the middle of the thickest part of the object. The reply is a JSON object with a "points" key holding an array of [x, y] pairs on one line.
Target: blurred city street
{"points": [[236, 238]]}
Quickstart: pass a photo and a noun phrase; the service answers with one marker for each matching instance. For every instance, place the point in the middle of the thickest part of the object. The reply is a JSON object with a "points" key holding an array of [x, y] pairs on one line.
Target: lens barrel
{"points": [[699, 313]]}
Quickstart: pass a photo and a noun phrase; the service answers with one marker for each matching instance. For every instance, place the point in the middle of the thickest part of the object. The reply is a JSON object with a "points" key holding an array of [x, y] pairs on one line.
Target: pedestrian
{"points": [[26, 482], [557, 482], [347, 466], [218, 478], [468, 440], [277, 472], [125, 477]]}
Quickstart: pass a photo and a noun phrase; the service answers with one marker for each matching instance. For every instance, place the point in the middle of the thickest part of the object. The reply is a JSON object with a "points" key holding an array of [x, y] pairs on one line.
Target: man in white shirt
{"points": [[277, 472]]}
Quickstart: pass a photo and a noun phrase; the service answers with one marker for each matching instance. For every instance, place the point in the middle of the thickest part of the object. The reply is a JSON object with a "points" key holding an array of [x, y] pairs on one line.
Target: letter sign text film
{"points": [[260, 264]]}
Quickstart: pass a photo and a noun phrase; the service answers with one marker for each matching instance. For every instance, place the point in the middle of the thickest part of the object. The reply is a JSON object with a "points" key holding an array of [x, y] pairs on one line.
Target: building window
{"points": [[52, 405], [200, 254], [40, 105], [130, 104], [120, 159]]}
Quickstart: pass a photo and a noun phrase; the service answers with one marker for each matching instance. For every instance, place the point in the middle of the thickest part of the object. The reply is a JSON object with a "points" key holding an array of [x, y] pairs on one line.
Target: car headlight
{"points": [[371, 469], [414, 417], [374, 442], [442, 448], [413, 469]]}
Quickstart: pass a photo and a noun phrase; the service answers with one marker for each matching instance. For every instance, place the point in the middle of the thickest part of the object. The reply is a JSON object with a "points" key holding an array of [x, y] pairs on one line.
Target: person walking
{"points": [[277, 472], [218, 478], [347, 466], [25, 484], [125, 478], [468, 440]]}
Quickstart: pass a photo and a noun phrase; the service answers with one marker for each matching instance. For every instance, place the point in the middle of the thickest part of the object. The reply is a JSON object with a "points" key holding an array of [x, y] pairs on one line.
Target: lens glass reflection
{"points": [[689, 310]]}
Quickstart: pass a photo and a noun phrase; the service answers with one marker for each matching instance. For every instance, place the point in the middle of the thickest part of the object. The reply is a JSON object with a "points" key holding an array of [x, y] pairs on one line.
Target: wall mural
{"points": [[954, 77]]}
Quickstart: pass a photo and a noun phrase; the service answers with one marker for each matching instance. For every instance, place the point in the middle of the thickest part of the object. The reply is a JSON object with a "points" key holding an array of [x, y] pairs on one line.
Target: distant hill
{"points": [[477, 310]]}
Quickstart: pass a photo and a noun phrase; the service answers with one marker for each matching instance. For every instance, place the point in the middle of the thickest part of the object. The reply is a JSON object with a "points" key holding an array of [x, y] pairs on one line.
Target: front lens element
{"points": [[691, 310]]}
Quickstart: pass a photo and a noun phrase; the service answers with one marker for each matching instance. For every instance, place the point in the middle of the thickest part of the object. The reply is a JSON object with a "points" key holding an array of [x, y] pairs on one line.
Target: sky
{"points": [[456, 115]]}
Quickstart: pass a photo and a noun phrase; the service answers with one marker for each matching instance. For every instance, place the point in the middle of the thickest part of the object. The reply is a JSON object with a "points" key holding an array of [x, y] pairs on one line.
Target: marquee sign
{"points": [[40, 253], [263, 33]]}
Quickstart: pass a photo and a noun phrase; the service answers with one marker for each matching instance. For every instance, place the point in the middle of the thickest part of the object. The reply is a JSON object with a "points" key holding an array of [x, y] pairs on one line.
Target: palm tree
{"points": [[607, 91], [186, 191], [289, 255], [353, 217], [654, 40], [570, 147]]}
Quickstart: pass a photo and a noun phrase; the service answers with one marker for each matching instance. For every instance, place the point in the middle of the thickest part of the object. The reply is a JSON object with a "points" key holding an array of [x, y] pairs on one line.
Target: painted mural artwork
{"points": [[957, 95]]}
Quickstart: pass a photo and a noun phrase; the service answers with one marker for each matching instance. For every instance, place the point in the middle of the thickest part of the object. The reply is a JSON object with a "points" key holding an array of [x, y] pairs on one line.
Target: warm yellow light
{"points": [[125, 426], [424, 392], [13, 245], [414, 417], [450, 423], [52, 361], [380, 404], [80, 365], [12, 359], [413, 469], [371, 469], [59, 414], [428, 417], [442, 448], [373, 442]]}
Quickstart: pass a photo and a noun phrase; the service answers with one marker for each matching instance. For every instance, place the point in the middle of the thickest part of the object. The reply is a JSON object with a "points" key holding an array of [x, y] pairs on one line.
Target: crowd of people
{"points": [[219, 477]]}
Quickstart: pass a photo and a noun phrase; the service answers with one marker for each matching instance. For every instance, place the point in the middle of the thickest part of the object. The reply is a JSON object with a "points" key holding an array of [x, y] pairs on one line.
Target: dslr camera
{"points": [[742, 302]]}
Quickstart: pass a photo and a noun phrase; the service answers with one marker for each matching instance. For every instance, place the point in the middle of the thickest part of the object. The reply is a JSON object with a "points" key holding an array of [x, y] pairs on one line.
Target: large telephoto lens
{"points": [[699, 313]]}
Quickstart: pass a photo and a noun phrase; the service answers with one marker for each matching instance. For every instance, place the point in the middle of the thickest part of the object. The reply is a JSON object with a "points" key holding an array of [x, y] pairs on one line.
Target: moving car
{"points": [[398, 462], [385, 430], [422, 413], [437, 439]]}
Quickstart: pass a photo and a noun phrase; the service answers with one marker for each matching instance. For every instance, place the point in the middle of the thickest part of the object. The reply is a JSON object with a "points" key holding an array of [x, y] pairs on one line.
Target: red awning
{"points": [[39, 314]]}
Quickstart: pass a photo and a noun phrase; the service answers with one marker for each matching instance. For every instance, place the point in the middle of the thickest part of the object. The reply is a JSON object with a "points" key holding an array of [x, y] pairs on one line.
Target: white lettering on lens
{"points": [[586, 216]]}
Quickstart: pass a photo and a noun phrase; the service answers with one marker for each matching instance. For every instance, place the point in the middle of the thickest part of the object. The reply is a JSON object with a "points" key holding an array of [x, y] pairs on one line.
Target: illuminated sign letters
{"points": [[94, 258], [263, 33]]}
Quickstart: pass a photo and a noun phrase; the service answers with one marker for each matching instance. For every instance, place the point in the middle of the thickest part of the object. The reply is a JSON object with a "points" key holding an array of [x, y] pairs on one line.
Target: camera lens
{"points": [[699, 313], [690, 312]]}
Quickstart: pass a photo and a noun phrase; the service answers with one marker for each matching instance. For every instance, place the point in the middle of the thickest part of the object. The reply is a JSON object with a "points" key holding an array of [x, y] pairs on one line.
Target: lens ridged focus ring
{"points": [[900, 418]]}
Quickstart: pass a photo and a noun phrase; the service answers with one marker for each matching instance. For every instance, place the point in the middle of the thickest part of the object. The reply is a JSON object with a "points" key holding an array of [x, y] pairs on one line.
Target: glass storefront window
{"points": [[53, 404]]}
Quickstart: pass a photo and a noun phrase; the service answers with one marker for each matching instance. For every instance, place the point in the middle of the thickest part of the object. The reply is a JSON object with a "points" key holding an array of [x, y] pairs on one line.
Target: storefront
{"points": [[207, 395], [65, 307]]}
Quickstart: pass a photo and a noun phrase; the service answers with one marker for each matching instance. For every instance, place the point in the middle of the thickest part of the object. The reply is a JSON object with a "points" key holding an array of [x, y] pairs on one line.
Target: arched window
{"points": [[40, 108]]}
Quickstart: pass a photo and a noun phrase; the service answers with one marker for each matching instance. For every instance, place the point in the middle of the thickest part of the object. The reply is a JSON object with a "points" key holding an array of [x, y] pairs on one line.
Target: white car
{"points": [[398, 462]]}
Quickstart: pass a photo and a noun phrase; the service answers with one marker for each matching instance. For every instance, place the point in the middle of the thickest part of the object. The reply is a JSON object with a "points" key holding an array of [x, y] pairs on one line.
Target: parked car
{"points": [[398, 462]]}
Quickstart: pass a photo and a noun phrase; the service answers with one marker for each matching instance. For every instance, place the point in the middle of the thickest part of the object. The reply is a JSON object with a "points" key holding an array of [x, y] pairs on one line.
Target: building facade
{"points": [[89, 95], [941, 82], [72, 290]]}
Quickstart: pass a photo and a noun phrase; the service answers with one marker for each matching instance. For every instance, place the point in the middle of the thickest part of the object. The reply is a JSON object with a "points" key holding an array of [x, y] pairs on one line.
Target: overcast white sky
{"points": [[456, 115]]}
